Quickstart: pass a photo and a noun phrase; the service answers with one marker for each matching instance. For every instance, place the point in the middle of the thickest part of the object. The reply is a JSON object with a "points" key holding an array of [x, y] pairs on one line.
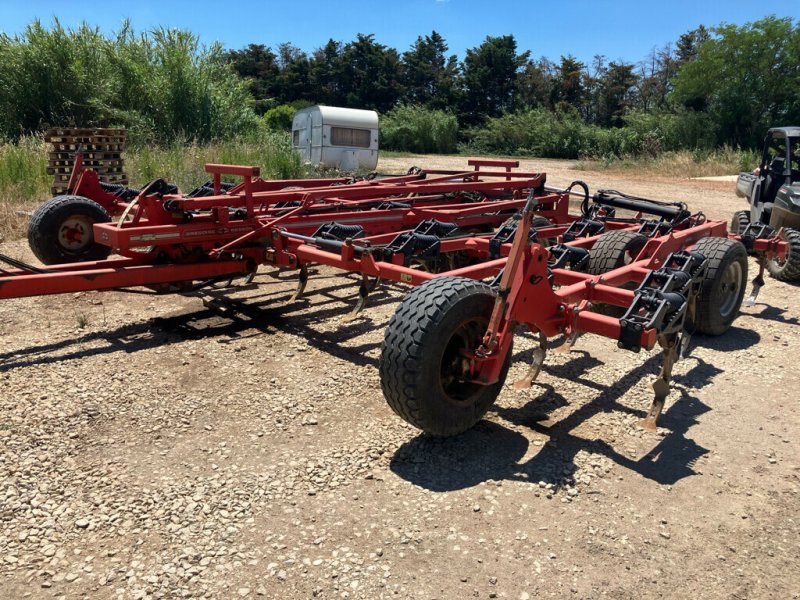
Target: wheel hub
{"points": [[75, 233], [454, 368], [730, 286]]}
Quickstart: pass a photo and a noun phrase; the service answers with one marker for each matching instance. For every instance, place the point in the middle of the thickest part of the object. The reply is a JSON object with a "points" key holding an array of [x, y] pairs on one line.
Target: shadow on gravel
{"points": [[772, 313], [257, 315], [491, 451]]}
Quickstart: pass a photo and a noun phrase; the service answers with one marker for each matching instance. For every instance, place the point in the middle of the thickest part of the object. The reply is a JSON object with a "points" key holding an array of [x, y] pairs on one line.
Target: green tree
{"points": [[654, 82], [324, 74], [747, 78], [689, 43], [490, 76], [534, 86], [259, 66], [429, 75], [569, 89], [293, 81], [615, 94], [369, 74]]}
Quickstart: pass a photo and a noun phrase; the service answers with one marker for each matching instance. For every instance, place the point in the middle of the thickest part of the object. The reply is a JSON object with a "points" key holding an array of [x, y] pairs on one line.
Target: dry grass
{"points": [[679, 165], [13, 217]]}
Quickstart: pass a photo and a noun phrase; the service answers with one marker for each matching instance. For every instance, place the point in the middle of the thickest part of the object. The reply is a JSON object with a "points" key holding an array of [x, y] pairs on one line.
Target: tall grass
{"points": [[161, 85], [24, 182], [23, 168], [182, 163]]}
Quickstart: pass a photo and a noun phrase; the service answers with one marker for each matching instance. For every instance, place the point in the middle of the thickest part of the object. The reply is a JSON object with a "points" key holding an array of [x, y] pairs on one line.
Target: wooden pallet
{"points": [[102, 150]]}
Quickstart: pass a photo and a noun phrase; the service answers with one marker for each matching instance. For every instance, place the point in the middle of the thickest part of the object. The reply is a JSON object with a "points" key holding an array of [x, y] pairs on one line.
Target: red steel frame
{"points": [[163, 250]]}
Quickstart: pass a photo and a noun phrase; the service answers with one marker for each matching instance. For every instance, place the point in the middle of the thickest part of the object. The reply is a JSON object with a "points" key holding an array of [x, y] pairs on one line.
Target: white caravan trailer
{"points": [[344, 138]]}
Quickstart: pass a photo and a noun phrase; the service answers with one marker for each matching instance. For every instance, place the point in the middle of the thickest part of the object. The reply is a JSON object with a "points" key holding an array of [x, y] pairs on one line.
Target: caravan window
{"points": [[296, 138], [347, 136]]}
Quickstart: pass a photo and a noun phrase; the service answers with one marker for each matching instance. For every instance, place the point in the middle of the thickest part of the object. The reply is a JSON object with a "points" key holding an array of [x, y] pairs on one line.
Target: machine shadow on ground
{"points": [[493, 451], [255, 312], [488, 451]]}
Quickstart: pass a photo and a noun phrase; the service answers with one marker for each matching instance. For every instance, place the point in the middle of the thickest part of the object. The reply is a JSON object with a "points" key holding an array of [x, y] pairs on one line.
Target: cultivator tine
{"points": [[364, 290], [569, 342], [661, 385], [758, 282], [536, 365], [302, 281]]}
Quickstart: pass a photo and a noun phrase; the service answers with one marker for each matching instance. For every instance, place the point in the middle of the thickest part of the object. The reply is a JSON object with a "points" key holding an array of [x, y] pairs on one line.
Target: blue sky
{"points": [[624, 29]]}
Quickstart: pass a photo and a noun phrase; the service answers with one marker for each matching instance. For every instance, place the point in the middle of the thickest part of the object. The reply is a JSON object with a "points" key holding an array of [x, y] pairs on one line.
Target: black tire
{"points": [[421, 351], [724, 284], [540, 223], [789, 269], [611, 251], [60, 230], [739, 221]]}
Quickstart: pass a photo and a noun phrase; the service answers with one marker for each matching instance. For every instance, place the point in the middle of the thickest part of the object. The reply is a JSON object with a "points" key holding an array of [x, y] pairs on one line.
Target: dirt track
{"points": [[162, 451]]}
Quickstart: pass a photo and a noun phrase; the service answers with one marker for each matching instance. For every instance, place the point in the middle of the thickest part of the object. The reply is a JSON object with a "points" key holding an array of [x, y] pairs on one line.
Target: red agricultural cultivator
{"points": [[488, 249]]}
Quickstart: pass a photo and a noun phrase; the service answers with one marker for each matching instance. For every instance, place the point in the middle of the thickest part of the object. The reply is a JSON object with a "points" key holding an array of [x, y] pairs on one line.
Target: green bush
{"points": [[545, 133], [280, 117], [162, 85], [409, 128], [537, 132]]}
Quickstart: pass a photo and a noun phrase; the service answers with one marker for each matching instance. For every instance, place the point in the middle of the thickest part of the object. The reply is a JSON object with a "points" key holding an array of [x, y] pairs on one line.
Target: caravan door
{"points": [[315, 129], [301, 135]]}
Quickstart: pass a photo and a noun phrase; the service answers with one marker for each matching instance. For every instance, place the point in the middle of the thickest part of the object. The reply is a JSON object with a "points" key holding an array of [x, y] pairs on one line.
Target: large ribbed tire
{"points": [[421, 356], [723, 285], [60, 230], [789, 269], [739, 221], [611, 251]]}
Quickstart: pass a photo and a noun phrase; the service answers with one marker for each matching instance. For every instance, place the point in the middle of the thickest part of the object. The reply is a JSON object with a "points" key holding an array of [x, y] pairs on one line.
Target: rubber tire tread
{"points": [[789, 270], [740, 220], [719, 251], [45, 222], [608, 252], [410, 356]]}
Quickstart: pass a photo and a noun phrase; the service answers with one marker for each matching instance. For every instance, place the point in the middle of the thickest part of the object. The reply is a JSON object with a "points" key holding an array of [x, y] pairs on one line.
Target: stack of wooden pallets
{"points": [[102, 152]]}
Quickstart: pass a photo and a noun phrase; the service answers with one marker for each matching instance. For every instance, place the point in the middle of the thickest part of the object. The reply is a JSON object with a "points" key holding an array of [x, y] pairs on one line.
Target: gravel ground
{"points": [[152, 449]]}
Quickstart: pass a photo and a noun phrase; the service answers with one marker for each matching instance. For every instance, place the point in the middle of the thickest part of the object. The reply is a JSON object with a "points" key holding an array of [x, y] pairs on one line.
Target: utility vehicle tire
{"points": [[60, 230], [723, 286], [789, 269], [611, 251], [739, 221], [421, 357]]}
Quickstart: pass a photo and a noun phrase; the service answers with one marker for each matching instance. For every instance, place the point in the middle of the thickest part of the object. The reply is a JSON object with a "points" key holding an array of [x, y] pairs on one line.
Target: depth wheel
{"points": [[421, 364], [723, 286], [789, 269], [538, 222], [611, 251], [60, 230]]}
